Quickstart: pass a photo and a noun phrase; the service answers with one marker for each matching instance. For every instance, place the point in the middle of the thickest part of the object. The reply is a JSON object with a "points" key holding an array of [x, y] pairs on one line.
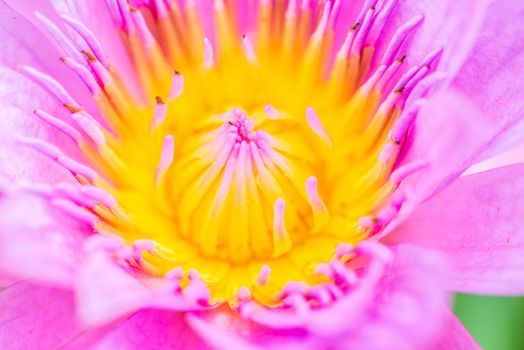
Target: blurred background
{"points": [[496, 323]]}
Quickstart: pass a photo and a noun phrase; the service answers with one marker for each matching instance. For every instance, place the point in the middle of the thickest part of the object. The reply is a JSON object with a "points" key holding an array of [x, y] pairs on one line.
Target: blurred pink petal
{"points": [[454, 336], [36, 317], [150, 330], [512, 156], [441, 121], [37, 246], [476, 222], [490, 75], [105, 292]]}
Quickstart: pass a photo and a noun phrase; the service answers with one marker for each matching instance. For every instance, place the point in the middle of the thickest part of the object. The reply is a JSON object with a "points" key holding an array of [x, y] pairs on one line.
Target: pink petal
{"points": [[447, 135], [454, 336], [36, 317], [152, 330], [490, 74], [477, 223], [39, 317], [105, 292], [22, 42], [44, 246], [512, 156]]}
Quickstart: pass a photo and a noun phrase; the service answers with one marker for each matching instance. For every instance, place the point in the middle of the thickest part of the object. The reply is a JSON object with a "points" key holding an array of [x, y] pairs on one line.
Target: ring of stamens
{"points": [[255, 157]]}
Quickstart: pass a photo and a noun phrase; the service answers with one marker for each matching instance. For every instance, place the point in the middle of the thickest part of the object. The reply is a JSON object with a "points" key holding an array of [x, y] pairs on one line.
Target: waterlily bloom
{"points": [[255, 174]]}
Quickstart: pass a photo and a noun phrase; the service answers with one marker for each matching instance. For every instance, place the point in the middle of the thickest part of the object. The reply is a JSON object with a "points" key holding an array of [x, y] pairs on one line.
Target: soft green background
{"points": [[496, 323]]}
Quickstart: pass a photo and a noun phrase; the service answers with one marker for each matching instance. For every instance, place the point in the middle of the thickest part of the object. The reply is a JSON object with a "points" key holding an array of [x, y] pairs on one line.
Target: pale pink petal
{"points": [[477, 223], [454, 336], [27, 8], [105, 292], [36, 241], [23, 43], [441, 122], [36, 317], [40, 317], [151, 330], [490, 75], [512, 156]]}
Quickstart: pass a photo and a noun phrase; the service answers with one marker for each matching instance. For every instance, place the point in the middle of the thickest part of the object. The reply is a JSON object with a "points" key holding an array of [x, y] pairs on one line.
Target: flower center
{"points": [[257, 156]]}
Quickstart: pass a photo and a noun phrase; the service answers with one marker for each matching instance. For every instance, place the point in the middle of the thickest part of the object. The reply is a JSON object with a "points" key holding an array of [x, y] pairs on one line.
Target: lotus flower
{"points": [[255, 174]]}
